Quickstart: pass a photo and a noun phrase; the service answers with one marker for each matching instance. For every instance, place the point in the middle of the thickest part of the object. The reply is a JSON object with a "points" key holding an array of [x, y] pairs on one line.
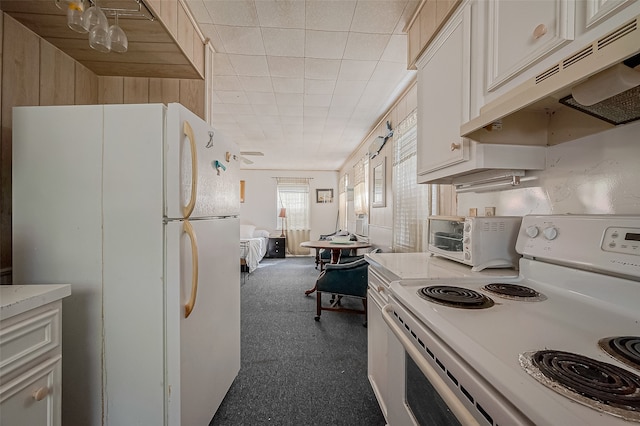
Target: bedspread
{"points": [[252, 250]]}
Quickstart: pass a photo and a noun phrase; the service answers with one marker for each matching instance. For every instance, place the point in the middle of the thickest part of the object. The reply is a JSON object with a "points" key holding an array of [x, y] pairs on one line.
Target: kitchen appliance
{"points": [[480, 242], [137, 207], [385, 268], [602, 74], [573, 305]]}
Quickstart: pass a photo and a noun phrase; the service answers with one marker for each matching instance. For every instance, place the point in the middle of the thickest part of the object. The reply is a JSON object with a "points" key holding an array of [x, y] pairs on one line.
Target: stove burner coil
{"points": [[457, 297], [593, 383], [623, 348], [514, 291]]}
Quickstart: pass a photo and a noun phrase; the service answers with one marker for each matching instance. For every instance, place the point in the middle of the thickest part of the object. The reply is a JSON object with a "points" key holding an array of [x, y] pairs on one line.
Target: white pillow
{"points": [[246, 231], [261, 233]]}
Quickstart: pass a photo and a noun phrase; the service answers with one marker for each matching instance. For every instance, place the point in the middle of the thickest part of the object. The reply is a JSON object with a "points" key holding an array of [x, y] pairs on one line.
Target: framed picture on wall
{"points": [[324, 195]]}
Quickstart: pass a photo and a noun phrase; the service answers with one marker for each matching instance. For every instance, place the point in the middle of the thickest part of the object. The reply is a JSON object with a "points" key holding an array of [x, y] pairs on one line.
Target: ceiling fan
{"points": [[245, 160]]}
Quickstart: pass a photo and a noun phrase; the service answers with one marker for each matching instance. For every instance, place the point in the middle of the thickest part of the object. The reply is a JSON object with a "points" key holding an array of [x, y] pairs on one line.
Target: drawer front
{"points": [[28, 339], [33, 398]]}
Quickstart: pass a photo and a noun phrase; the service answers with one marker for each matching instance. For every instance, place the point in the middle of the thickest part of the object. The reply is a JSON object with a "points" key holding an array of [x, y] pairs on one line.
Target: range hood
{"points": [[592, 90]]}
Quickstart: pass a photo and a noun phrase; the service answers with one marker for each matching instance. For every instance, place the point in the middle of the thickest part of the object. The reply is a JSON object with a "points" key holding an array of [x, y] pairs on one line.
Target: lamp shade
{"points": [[283, 212]]}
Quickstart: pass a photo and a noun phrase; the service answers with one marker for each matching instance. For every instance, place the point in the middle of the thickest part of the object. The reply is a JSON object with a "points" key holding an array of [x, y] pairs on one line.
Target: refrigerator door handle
{"points": [[188, 209], [188, 308]]}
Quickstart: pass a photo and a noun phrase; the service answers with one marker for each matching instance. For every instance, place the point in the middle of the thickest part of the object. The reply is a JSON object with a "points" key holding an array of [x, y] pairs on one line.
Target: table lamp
{"points": [[282, 215]]}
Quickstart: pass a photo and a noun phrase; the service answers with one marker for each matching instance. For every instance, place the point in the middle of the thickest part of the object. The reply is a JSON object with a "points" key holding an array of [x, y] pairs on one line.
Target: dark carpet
{"points": [[294, 370]]}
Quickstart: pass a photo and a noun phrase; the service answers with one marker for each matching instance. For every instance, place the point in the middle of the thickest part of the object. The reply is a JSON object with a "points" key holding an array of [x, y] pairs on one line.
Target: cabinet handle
{"points": [[41, 393], [455, 146], [539, 31], [380, 289]]}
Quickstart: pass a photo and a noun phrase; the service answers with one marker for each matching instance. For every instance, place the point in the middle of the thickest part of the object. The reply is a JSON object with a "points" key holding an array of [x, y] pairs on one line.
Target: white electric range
{"points": [[489, 357]]}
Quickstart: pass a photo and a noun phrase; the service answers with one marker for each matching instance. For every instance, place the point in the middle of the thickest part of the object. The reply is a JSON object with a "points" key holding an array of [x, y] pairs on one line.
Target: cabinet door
{"points": [[443, 96], [377, 340], [520, 33], [34, 398]]}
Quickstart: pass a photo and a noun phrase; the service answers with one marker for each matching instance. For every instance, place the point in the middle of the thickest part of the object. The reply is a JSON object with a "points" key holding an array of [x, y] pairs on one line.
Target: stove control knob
{"points": [[550, 233], [467, 227], [467, 255], [532, 231], [466, 240]]}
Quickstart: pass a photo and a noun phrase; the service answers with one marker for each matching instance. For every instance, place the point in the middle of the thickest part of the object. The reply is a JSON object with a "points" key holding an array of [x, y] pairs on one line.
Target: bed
{"points": [[253, 246]]}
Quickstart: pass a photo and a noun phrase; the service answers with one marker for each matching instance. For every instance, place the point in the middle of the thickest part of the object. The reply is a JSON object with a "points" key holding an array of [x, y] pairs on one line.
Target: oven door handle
{"points": [[452, 401]]}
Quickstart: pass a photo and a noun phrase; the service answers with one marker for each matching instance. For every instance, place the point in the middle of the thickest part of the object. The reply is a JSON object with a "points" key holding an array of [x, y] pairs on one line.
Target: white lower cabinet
{"points": [[377, 335], [31, 354], [33, 398]]}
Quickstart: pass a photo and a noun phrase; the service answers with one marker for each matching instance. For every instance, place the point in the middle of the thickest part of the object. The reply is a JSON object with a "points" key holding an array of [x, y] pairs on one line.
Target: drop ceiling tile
{"points": [[233, 12], [288, 85], [250, 65], [247, 121], [241, 40], [379, 17], [281, 13], [284, 42], [321, 68], [199, 11], [388, 71], [289, 99], [270, 122], [329, 15], [396, 50], [265, 110], [286, 67], [350, 87], [344, 101], [356, 70], [261, 98], [319, 87], [232, 97], [224, 118], [222, 65], [226, 83], [316, 112], [317, 100], [233, 109], [325, 44], [256, 84], [290, 111], [366, 46]]}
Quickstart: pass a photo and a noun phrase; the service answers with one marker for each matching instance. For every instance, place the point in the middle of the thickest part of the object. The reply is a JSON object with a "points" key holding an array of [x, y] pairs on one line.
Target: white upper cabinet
{"points": [[443, 96], [521, 33]]}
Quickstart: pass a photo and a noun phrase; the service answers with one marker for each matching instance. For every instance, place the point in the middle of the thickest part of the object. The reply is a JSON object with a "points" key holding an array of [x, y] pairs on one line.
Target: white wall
{"points": [[381, 218], [598, 174], [260, 206]]}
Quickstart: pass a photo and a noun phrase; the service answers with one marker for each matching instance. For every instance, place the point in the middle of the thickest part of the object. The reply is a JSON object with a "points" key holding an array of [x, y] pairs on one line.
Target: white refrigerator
{"points": [[137, 207]]}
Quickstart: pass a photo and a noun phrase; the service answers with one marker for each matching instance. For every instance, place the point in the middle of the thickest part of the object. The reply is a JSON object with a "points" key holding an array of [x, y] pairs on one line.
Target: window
{"points": [[343, 188], [360, 185], [293, 195], [413, 202]]}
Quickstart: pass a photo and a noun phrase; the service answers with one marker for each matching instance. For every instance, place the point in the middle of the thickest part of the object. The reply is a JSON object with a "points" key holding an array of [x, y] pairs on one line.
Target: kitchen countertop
{"points": [[404, 266], [16, 299]]}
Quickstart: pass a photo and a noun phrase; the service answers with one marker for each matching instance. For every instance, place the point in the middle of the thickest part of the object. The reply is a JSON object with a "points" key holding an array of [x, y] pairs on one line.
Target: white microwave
{"points": [[480, 242]]}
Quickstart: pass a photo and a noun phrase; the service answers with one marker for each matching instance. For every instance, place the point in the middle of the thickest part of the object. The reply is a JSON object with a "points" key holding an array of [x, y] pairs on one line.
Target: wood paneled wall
{"points": [[34, 72]]}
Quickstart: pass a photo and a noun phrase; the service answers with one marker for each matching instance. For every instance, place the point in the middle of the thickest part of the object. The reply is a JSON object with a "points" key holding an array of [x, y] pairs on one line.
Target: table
{"points": [[335, 248]]}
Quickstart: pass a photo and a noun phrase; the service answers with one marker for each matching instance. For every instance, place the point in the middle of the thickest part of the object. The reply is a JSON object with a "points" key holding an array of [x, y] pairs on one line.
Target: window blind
{"points": [[293, 195], [412, 202]]}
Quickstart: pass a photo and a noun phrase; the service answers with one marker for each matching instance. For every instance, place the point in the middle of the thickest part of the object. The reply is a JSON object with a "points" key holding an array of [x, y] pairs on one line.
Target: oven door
{"points": [[446, 235], [430, 385]]}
